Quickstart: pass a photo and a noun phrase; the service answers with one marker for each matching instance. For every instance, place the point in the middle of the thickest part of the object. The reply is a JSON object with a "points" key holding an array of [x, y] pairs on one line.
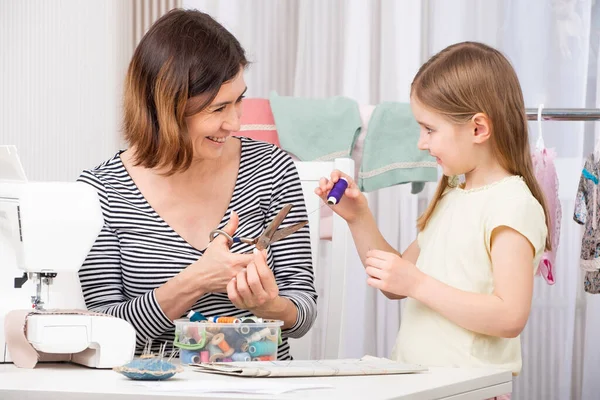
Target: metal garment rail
{"points": [[564, 114]]}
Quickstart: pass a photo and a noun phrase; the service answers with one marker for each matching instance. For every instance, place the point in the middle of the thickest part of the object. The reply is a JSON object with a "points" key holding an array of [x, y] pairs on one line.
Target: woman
{"points": [[183, 175]]}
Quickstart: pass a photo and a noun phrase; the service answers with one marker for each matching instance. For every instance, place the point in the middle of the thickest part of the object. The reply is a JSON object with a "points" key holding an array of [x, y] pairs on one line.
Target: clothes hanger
{"points": [[597, 148], [540, 140]]}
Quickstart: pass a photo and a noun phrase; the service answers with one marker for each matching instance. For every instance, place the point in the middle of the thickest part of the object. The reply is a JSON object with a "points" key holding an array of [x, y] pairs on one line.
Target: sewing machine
{"points": [[46, 231]]}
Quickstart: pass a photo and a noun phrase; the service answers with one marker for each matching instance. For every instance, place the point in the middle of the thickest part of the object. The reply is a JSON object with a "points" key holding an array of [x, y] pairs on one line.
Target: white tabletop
{"points": [[70, 382]]}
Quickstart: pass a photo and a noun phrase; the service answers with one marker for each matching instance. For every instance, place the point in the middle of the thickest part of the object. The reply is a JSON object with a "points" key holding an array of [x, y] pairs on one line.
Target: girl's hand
{"points": [[352, 204], [254, 288], [390, 273]]}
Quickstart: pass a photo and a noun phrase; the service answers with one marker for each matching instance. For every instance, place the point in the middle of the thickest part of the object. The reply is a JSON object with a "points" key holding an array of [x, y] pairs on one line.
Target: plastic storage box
{"points": [[228, 339]]}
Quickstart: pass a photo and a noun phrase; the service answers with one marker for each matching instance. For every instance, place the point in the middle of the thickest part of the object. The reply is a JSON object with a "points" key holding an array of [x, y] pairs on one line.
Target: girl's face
{"points": [[210, 129], [451, 144]]}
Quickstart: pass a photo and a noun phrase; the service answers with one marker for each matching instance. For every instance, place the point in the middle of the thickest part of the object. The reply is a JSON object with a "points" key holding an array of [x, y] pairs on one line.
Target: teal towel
{"points": [[316, 129], [391, 156]]}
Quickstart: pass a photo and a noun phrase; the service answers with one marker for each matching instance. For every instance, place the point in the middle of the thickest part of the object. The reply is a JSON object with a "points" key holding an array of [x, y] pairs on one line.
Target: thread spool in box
{"points": [[207, 341]]}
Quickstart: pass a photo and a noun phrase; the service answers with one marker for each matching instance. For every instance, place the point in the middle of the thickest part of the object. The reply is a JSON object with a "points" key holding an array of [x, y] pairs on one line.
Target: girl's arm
{"points": [[354, 208], [367, 236], [503, 313]]}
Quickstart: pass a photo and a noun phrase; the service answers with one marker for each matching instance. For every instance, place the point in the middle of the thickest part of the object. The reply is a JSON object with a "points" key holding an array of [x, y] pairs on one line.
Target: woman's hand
{"points": [[254, 288], [390, 273], [218, 265], [352, 204]]}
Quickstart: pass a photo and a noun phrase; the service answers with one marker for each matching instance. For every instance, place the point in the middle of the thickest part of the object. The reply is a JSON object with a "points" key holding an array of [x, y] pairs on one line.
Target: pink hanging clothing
{"points": [[503, 397], [545, 173]]}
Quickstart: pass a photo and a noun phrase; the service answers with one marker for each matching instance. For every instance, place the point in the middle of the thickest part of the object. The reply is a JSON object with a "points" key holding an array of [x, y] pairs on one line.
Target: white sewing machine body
{"points": [[46, 231], [93, 341]]}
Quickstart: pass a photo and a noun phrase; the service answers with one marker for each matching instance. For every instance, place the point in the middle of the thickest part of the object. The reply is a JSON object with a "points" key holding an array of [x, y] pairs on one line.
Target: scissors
{"points": [[271, 235]]}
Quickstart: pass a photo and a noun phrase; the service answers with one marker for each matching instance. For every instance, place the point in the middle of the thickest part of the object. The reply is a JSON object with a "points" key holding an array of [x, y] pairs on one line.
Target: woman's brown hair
{"points": [[469, 78], [176, 71]]}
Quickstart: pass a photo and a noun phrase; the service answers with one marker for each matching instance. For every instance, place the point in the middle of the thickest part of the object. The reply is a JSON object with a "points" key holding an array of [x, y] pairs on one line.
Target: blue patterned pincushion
{"points": [[149, 368]]}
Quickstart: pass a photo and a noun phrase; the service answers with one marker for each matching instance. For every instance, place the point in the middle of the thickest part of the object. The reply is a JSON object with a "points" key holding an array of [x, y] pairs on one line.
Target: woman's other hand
{"points": [[254, 287]]}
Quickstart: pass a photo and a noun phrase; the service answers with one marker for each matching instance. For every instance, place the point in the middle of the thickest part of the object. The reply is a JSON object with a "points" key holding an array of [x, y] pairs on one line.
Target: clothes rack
{"points": [[564, 114]]}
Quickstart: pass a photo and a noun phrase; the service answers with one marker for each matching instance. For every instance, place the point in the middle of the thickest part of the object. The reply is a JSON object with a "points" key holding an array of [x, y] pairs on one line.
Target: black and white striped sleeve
{"points": [[292, 259], [102, 280]]}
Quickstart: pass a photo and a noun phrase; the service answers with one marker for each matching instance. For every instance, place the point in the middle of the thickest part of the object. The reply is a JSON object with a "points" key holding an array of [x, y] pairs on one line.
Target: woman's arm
{"points": [[150, 313], [102, 282], [503, 313]]}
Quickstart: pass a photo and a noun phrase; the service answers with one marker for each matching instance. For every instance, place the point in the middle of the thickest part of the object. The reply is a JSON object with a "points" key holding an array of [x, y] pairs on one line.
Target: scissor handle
{"points": [[215, 232]]}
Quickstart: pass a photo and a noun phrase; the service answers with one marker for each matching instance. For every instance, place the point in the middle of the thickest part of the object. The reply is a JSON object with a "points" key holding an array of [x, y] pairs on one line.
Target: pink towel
{"points": [[545, 173], [257, 121]]}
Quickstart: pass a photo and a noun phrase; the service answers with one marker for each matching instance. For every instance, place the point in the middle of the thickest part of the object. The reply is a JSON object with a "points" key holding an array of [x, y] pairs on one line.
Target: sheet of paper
{"points": [[347, 367], [242, 386]]}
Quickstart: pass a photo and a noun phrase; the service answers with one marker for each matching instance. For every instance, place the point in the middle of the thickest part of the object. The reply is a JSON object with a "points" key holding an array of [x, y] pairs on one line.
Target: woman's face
{"points": [[211, 128]]}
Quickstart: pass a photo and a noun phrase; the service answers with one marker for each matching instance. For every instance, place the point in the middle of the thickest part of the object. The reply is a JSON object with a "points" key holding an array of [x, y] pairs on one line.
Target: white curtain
{"points": [[370, 51], [61, 78]]}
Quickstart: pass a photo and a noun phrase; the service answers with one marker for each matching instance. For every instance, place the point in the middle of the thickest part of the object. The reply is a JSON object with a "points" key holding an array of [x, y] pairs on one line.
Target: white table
{"points": [[74, 382]]}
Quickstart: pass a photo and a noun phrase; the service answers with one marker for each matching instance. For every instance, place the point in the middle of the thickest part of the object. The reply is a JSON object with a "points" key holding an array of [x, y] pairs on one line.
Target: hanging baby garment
{"points": [[545, 173], [586, 213]]}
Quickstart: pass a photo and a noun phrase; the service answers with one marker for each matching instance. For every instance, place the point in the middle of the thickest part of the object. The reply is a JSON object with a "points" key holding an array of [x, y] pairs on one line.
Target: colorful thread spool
{"points": [[212, 350], [195, 316], [257, 349], [272, 338], [219, 340], [244, 329], [227, 359], [191, 332], [189, 357], [204, 356], [213, 329], [256, 336], [336, 193], [209, 335], [231, 335], [251, 320], [241, 357], [235, 340], [228, 320], [214, 353]]}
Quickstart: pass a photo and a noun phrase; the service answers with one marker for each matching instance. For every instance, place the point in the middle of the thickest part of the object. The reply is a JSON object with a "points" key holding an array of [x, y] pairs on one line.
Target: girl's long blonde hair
{"points": [[469, 78]]}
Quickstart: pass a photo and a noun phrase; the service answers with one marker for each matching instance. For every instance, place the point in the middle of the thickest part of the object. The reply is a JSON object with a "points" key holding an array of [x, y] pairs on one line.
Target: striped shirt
{"points": [[137, 251]]}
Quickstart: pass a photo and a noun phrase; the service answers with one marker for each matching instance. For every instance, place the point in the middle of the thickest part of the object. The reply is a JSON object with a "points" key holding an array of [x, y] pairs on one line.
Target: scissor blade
{"points": [[266, 238], [288, 230]]}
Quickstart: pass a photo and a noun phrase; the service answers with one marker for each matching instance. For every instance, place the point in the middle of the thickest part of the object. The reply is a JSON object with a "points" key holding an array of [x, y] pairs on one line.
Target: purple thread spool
{"points": [[336, 193]]}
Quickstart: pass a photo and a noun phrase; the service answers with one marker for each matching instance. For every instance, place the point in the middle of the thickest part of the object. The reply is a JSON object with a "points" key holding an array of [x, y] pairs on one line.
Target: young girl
{"points": [[469, 274]]}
